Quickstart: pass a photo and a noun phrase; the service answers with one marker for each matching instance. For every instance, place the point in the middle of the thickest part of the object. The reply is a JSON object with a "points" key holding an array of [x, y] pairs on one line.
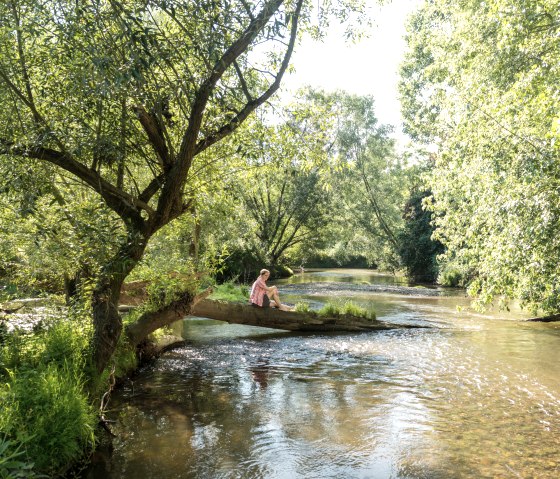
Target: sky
{"points": [[369, 67]]}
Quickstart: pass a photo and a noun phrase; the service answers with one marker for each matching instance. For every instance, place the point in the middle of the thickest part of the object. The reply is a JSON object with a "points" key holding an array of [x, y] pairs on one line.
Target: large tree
{"points": [[373, 180], [481, 83], [123, 96]]}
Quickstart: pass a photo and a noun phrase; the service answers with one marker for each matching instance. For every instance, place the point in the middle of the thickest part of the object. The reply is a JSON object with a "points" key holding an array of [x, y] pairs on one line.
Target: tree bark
{"points": [[152, 320], [287, 320], [546, 319], [107, 322]]}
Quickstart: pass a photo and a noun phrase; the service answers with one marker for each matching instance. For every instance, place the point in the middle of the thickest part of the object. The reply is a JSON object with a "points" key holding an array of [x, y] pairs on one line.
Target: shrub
{"points": [[452, 276]]}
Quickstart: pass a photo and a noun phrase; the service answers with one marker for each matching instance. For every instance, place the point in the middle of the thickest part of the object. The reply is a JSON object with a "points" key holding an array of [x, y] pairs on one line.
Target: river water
{"points": [[471, 396]]}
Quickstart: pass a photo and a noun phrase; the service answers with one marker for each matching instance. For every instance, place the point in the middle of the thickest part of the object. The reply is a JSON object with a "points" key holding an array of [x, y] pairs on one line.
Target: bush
{"points": [[452, 276], [49, 406]]}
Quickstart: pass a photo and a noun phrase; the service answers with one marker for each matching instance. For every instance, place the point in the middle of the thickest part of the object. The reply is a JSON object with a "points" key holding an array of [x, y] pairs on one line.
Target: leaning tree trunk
{"points": [[107, 321], [151, 320]]}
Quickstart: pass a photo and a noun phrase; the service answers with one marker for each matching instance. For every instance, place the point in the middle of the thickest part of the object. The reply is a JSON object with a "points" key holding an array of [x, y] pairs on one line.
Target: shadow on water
{"points": [[472, 397]]}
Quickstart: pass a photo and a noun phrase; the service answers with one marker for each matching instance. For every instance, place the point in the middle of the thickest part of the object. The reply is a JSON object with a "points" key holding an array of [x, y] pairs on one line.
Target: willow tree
{"points": [[123, 96], [481, 83], [372, 182]]}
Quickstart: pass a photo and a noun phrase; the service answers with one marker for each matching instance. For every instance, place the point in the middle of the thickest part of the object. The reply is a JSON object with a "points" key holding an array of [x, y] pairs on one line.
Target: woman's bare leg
{"points": [[276, 299]]}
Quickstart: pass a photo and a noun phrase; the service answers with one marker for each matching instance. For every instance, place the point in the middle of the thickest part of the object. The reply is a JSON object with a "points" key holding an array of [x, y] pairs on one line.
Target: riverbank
{"points": [[51, 415]]}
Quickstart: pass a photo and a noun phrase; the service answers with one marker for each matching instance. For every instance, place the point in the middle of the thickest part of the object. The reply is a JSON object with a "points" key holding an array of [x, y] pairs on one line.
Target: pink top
{"points": [[258, 290]]}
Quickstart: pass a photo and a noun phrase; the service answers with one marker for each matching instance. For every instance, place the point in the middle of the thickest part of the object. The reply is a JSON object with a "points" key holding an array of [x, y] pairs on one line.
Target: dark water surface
{"points": [[475, 396]]}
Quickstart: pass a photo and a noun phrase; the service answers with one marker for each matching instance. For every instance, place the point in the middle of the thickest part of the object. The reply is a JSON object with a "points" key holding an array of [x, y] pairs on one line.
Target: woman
{"points": [[265, 296]]}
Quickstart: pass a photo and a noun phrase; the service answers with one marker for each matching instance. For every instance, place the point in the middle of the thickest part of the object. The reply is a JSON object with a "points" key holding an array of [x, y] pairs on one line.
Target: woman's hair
{"points": [[263, 271]]}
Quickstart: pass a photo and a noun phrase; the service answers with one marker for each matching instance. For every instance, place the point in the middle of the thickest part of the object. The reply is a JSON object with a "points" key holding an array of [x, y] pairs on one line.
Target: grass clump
{"points": [[231, 291], [346, 308], [302, 308]]}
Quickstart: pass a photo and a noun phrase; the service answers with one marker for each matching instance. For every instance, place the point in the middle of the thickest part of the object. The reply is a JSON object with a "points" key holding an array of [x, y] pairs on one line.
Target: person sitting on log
{"points": [[265, 296]]}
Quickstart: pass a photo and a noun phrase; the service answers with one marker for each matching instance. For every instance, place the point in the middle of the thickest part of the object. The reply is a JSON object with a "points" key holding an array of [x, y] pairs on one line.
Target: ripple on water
{"points": [[467, 399]]}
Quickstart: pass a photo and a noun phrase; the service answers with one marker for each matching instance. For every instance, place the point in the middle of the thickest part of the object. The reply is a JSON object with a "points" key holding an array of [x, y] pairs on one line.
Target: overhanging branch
{"points": [[189, 147], [125, 205], [251, 106]]}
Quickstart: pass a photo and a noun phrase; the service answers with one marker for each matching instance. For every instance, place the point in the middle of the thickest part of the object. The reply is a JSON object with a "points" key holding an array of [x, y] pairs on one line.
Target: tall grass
{"points": [[335, 309]]}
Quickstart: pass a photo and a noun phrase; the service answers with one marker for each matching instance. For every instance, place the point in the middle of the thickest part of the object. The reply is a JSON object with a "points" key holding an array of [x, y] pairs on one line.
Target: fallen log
{"points": [[239, 313], [545, 319]]}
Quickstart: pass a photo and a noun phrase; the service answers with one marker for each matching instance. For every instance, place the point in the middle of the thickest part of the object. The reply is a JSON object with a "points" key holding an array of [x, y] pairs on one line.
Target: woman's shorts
{"points": [[266, 302]]}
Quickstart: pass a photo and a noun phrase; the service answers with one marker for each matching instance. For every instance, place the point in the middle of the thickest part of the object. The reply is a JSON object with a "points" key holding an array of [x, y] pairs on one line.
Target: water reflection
{"points": [[468, 398]]}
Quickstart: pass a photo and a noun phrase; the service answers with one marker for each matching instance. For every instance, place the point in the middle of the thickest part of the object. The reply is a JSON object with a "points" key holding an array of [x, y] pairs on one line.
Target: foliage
{"points": [[417, 250], [46, 241], [122, 102], [282, 190], [370, 181], [345, 307], [46, 412], [12, 463], [289, 207], [451, 275], [230, 291], [481, 84]]}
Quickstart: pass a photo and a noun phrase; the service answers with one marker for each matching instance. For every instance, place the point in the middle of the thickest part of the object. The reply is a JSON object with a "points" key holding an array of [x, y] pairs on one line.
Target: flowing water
{"points": [[472, 396]]}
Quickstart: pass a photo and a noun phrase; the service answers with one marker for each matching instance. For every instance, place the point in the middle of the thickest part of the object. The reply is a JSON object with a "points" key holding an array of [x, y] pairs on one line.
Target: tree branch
{"points": [[169, 205], [152, 320], [243, 82], [24, 71], [125, 205], [376, 209], [150, 124], [189, 147], [234, 123]]}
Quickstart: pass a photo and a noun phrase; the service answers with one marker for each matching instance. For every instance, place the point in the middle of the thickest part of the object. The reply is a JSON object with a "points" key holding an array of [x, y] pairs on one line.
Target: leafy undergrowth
{"points": [[49, 405], [47, 419]]}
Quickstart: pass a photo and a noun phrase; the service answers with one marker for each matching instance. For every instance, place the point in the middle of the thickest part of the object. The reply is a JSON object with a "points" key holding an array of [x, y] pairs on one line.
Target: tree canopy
{"points": [[480, 82]]}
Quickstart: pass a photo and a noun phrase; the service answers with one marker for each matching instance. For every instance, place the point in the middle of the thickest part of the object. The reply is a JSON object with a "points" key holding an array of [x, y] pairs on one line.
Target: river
{"points": [[471, 396]]}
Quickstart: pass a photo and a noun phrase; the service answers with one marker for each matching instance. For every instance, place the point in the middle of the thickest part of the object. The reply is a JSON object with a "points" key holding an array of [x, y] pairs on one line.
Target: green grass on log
{"points": [[236, 293], [337, 309]]}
